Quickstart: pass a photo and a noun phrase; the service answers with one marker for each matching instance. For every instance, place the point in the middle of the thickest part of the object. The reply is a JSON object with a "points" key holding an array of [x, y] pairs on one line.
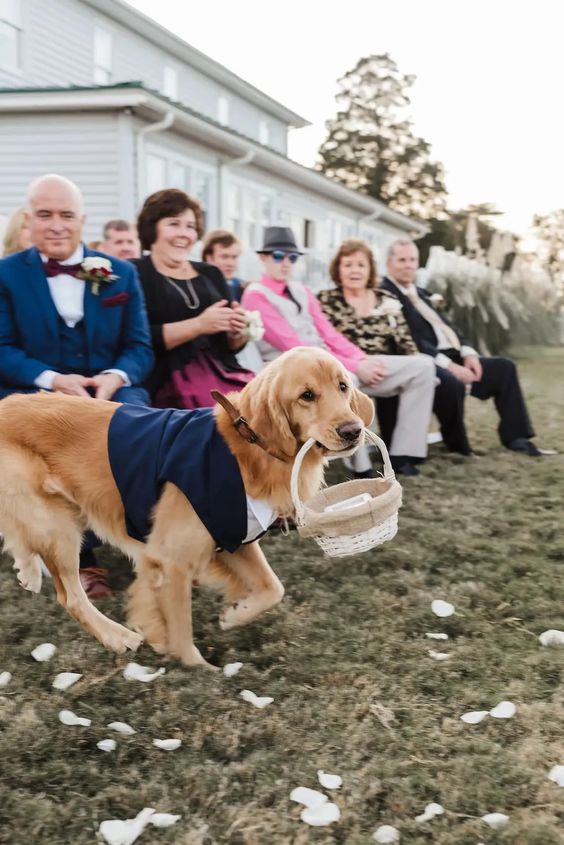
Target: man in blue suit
{"points": [[71, 320]]}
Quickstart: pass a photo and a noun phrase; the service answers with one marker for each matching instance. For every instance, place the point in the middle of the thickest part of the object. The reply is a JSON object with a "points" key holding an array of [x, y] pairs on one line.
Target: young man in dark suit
{"points": [[460, 368], [71, 320]]}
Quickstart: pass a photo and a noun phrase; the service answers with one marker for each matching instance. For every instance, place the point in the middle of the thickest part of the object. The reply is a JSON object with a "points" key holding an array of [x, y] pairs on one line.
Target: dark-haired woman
{"points": [[196, 328]]}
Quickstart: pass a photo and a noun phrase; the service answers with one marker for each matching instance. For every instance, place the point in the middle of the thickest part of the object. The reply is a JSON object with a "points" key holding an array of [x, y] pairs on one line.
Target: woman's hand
{"points": [[216, 318], [238, 325], [372, 369]]}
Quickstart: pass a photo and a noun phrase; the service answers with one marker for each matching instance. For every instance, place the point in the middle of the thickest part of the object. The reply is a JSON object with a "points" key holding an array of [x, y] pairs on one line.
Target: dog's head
{"points": [[307, 393]]}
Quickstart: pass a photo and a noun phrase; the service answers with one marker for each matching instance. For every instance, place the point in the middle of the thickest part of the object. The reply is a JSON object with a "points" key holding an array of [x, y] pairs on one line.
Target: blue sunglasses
{"points": [[279, 255]]}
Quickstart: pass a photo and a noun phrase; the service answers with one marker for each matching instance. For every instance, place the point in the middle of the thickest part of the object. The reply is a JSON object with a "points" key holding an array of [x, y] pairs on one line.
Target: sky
{"points": [[488, 95]]}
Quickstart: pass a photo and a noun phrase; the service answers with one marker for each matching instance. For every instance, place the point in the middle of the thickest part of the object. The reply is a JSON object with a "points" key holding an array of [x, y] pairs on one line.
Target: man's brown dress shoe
{"points": [[94, 583]]}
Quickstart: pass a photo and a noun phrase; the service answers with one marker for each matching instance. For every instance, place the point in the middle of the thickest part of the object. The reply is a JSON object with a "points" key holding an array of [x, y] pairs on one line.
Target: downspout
{"points": [[374, 215], [246, 158], [162, 124]]}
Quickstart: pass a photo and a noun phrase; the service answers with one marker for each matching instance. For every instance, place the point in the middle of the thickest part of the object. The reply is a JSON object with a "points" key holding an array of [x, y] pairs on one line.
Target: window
{"points": [[223, 110], [264, 133], [201, 189], [10, 34], [170, 82], [156, 173], [102, 56], [179, 176]]}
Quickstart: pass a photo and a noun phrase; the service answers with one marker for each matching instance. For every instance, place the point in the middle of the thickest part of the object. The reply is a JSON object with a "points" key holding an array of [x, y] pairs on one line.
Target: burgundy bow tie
{"points": [[54, 268]]}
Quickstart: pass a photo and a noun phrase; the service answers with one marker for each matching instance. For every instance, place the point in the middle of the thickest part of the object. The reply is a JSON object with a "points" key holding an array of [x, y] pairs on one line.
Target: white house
{"points": [[97, 91]]}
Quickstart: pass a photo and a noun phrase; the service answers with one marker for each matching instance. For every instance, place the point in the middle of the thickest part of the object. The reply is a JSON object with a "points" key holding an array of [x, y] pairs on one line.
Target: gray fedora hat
{"points": [[279, 237]]}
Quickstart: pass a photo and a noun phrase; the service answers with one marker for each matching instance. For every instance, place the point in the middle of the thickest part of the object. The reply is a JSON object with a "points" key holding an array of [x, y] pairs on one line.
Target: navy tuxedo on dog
{"points": [[149, 446]]}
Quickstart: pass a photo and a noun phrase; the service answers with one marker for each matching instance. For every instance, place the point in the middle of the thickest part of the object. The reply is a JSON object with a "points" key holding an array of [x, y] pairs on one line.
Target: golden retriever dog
{"points": [[56, 481]]}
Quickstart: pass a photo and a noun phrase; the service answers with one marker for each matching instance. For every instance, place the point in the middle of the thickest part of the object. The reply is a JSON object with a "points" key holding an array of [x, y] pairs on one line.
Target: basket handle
{"points": [[298, 460], [389, 473]]}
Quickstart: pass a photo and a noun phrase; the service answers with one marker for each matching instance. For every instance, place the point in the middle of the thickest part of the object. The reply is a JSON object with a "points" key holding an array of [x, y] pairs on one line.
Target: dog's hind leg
{"points": [[28, 570], [60, 554], [143, 608], [251, 586]]}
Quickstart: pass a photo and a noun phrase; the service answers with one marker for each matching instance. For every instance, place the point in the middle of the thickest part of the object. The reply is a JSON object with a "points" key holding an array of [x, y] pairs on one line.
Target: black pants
{"points": [[499, 382]]}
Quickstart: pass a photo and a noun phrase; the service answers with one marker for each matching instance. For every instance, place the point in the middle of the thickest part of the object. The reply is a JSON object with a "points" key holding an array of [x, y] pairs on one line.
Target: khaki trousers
{"points": [[413, 379]]}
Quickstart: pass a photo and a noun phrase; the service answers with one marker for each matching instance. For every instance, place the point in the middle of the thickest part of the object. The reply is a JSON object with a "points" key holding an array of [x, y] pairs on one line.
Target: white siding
{"points": [[58, 50], [82, 147]]}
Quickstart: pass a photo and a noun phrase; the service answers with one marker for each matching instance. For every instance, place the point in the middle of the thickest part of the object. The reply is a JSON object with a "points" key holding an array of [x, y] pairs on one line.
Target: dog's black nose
{"points": [[349, 431]]}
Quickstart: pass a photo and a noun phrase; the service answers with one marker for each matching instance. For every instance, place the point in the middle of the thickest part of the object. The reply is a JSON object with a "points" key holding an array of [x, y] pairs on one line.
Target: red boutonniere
{"points": [[97, 271]]}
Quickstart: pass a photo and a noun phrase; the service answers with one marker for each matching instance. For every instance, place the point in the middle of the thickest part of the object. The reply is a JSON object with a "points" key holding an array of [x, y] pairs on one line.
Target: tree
{"points": [[468, 231], [549, 229], [371, 147]]}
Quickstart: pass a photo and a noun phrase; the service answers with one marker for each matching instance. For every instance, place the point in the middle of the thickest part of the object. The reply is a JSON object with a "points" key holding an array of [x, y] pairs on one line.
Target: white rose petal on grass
{"points": [[474, 716], [167, 744], [64, 680], [329, 781], [135, 672], [386, 834], [107, 745], [442, 608], [121, 728], [118, 832], [433, 636], [308, 797], [231, 669], [43, 652], [438, 655], [552, 637], [503, 710], [430, 811], [257, 700], [320, 815], [5, 678], [67, 717], [163, 819], [556, 774], [495, 820]]}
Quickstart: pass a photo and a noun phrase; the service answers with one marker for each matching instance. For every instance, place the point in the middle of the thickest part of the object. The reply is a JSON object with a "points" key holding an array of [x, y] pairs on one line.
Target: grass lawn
{"points": [[346, 660]]}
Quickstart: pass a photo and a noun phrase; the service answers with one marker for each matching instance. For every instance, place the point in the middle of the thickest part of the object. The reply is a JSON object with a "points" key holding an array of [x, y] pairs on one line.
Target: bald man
{"points": [[60, 328]]}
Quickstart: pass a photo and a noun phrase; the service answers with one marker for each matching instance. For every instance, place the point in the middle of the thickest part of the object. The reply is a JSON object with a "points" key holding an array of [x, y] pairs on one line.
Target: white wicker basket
{"points": [[356, 529]]}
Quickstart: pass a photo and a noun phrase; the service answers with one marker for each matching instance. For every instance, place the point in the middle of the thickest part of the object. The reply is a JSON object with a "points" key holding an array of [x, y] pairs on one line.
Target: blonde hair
{"points": [[11, 241]]}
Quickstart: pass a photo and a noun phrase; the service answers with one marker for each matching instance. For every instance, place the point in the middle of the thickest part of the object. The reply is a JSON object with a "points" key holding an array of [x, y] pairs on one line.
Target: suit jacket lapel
{"points": [[40, 294]]}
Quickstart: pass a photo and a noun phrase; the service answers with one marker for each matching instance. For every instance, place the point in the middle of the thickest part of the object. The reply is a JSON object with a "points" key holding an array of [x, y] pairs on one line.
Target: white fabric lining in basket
{"points": [[353, 530]]}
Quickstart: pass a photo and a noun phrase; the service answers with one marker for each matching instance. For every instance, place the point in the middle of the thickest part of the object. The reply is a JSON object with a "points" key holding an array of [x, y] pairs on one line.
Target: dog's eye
{"points": [[308, 396], [343, 386]]}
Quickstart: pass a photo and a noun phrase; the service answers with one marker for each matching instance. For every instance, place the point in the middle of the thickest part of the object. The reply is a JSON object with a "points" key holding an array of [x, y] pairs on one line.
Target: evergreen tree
{"points": [[371, 147]]}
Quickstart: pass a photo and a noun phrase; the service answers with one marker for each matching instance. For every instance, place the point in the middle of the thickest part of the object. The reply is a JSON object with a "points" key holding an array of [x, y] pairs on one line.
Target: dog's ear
{"points": [[363, 406], [267, 415]]}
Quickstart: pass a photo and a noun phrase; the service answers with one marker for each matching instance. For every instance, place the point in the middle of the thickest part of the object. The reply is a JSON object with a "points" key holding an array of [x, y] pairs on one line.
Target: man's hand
{"points": [[372, 370], [463, 374], [472, 362], [72, 385], [106, 384]]}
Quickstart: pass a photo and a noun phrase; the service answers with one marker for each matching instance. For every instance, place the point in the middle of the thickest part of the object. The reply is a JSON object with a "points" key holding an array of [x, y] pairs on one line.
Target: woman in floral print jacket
{"points": [[371, 318]]}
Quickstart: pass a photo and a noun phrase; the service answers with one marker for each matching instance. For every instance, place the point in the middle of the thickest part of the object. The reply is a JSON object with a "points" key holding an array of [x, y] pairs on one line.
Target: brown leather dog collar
{"points": [[245, 430]]}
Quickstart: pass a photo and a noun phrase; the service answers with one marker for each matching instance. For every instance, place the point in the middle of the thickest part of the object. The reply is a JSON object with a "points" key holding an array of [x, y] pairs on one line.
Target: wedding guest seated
{"points": [[292, 317], [63, 326], [120, 240], [460, 368], [16, 234], [195, 327], [222, 249]]}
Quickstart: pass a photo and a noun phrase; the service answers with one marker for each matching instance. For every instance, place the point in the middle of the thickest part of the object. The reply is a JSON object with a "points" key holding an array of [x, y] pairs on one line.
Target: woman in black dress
{"points": [[196, 328]]}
